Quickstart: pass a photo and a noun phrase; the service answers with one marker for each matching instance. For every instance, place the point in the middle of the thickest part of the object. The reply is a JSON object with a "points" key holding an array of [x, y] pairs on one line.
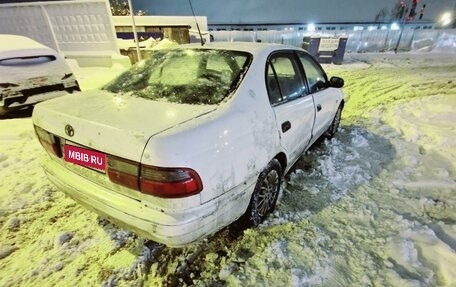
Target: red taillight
{"points": [[122, 171], [169, 182], [48, 141], [157, 181]]}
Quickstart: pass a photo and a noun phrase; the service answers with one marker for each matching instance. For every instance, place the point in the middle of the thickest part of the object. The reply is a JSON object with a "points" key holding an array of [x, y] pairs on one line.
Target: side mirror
{"points": [[336, 82]]}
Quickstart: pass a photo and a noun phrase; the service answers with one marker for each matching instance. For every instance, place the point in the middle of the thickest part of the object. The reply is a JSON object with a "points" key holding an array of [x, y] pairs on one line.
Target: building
{"points": [[181, 29], [322, 27]]}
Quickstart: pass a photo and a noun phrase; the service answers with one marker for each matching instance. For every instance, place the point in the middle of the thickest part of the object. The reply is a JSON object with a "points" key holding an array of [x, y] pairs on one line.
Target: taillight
{"points": [[122, 171], [169, 182], [48, 141], [157, 181]]}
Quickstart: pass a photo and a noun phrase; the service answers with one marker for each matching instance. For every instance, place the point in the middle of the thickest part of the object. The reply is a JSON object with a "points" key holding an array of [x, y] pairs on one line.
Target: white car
{"points": [[31, 72], [190, 140]]}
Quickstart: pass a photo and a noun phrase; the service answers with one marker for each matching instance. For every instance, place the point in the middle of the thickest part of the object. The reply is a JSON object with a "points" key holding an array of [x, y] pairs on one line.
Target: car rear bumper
{"points": [[11, 104], [22, 96], [174, 228]]}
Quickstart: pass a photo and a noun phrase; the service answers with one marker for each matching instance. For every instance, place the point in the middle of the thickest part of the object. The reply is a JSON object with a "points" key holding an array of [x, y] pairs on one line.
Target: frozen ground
{"points": [[375, 206]]}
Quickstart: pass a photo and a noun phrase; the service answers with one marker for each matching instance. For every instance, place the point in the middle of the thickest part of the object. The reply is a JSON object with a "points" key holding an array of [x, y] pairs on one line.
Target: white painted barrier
{"points": [[358, 41], [81, 29]]}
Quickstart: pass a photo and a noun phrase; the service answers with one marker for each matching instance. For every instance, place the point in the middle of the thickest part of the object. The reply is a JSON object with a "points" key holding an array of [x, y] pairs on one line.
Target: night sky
{"points": [[286, 11]]}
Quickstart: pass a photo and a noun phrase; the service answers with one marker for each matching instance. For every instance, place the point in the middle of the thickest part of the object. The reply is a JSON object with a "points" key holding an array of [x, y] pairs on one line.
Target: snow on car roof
{"points": [[10, 43], [251, 47]]}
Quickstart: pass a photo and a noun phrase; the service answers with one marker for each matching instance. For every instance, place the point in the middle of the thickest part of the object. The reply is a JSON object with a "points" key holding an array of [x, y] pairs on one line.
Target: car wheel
{"points": [[334, 124], [265, 194]]}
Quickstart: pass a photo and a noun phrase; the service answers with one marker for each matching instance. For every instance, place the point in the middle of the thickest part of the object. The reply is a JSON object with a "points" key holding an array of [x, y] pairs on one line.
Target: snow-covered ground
{"points": [[375, 206]]}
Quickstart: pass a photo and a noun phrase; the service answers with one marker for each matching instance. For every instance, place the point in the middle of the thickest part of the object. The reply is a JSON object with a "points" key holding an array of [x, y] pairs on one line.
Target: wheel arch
{"points": [[282, 158]]}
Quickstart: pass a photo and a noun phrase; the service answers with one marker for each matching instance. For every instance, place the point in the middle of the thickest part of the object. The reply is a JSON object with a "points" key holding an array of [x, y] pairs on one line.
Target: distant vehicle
{"points": [[31, 72], [192, 139]]}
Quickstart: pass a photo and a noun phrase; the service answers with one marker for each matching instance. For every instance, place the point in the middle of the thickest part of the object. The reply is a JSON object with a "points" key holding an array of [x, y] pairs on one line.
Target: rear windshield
{"points": [[187, 76]]}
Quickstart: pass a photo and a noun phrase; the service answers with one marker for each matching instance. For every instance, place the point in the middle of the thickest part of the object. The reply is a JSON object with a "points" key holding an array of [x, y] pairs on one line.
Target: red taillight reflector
{"points": [[122, 171], [48, 141], [157, 181], [169, 182]]}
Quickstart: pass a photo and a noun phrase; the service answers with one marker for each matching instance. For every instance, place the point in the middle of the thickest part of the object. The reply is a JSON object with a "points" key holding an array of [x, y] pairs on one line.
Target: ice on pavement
{"points": [[374, 206]]}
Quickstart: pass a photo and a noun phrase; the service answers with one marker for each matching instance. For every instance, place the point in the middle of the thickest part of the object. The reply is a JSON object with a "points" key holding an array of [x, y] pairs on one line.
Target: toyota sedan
{"points": [[191, 139]]}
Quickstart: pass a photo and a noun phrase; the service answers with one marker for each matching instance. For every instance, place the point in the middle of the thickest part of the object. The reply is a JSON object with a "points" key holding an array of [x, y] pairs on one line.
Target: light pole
{"points": [[135, 35]]}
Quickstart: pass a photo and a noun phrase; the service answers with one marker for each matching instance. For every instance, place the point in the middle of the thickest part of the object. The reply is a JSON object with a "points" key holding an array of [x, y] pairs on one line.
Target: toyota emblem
{"points": [[69, 130]]}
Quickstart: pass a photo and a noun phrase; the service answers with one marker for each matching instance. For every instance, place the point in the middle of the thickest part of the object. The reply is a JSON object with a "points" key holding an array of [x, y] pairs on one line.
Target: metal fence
{"points": [[358, 41]]}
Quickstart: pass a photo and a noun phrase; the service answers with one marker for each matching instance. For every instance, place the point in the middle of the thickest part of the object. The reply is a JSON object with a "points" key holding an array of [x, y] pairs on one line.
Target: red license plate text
{"points": [[85, 157]]}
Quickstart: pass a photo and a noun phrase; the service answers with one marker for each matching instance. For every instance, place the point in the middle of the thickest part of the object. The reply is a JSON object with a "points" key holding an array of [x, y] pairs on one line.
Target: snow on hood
{"points": [[114, 124]]}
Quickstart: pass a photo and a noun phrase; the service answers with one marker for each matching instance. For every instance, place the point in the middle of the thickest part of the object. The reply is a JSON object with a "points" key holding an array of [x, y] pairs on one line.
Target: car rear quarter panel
{"points": [[226, 147]]}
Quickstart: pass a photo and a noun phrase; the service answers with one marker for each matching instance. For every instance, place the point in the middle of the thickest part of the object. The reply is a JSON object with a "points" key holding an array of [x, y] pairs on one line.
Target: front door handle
{"points": [[286, 126], [318, 107]]}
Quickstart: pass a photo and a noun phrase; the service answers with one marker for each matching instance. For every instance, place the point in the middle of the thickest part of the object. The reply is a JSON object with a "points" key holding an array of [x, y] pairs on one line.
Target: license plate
{"points": [[85, 157]]}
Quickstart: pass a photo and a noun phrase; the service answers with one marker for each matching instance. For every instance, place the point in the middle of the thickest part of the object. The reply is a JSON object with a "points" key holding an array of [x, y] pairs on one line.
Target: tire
{"points": [[334, 124], [264, 196]]}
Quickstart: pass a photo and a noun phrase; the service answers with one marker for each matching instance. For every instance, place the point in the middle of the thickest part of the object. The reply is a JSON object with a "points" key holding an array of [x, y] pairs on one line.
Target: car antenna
{"points": [[197, 26]]}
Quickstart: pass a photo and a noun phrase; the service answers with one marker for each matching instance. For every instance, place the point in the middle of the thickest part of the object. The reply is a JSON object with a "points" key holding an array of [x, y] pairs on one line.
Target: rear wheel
{"points": [[334, 124], [265, 194]]}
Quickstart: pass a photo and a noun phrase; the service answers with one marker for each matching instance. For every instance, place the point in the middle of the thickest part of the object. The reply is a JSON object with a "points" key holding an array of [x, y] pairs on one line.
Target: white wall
{"points": [[358, 41], [73, 28]]}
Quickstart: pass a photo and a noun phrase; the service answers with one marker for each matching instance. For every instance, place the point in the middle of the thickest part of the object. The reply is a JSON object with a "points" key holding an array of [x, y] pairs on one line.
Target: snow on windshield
{"points": [[186, 76]]}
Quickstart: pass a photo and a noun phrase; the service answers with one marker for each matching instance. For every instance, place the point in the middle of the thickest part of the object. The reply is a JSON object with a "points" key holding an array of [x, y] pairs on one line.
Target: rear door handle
{"points": [[318, 107], [286, 126]]}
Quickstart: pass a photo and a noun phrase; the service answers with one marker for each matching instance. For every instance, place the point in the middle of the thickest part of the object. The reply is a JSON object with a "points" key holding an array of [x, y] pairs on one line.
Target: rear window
{"points": [[27, 61], [187, 76]]}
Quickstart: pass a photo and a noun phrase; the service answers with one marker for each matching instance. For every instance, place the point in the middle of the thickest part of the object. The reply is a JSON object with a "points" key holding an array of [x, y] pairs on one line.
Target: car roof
{"points": [[10, 43], [250, 47]]}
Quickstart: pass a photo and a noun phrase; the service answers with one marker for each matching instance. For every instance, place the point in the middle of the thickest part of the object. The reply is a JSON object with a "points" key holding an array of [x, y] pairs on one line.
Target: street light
{"points": [[311, 27], [446, 19]]}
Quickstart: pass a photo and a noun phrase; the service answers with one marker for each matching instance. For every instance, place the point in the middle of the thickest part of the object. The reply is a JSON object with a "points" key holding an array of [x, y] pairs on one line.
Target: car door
{"points": [[326, 99], [292, 105]]}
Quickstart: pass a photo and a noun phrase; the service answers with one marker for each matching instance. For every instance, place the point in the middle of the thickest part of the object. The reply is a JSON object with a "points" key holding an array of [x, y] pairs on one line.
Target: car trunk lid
{"points": [[113, 124]]}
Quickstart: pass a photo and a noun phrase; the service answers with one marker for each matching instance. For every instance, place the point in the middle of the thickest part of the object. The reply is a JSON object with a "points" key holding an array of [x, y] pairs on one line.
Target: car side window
{"points": [[274, 94], [283, 78], [316, 77]]}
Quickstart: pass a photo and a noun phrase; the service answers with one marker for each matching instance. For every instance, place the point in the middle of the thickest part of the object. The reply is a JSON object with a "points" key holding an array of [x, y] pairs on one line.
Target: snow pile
{"points": [[126, 44], [330, 169], [164, 44], [95, 77]]}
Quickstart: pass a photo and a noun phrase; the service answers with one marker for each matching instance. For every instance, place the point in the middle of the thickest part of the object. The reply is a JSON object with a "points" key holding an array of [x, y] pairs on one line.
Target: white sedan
{"points": [[190, 140], [31, 72]]}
